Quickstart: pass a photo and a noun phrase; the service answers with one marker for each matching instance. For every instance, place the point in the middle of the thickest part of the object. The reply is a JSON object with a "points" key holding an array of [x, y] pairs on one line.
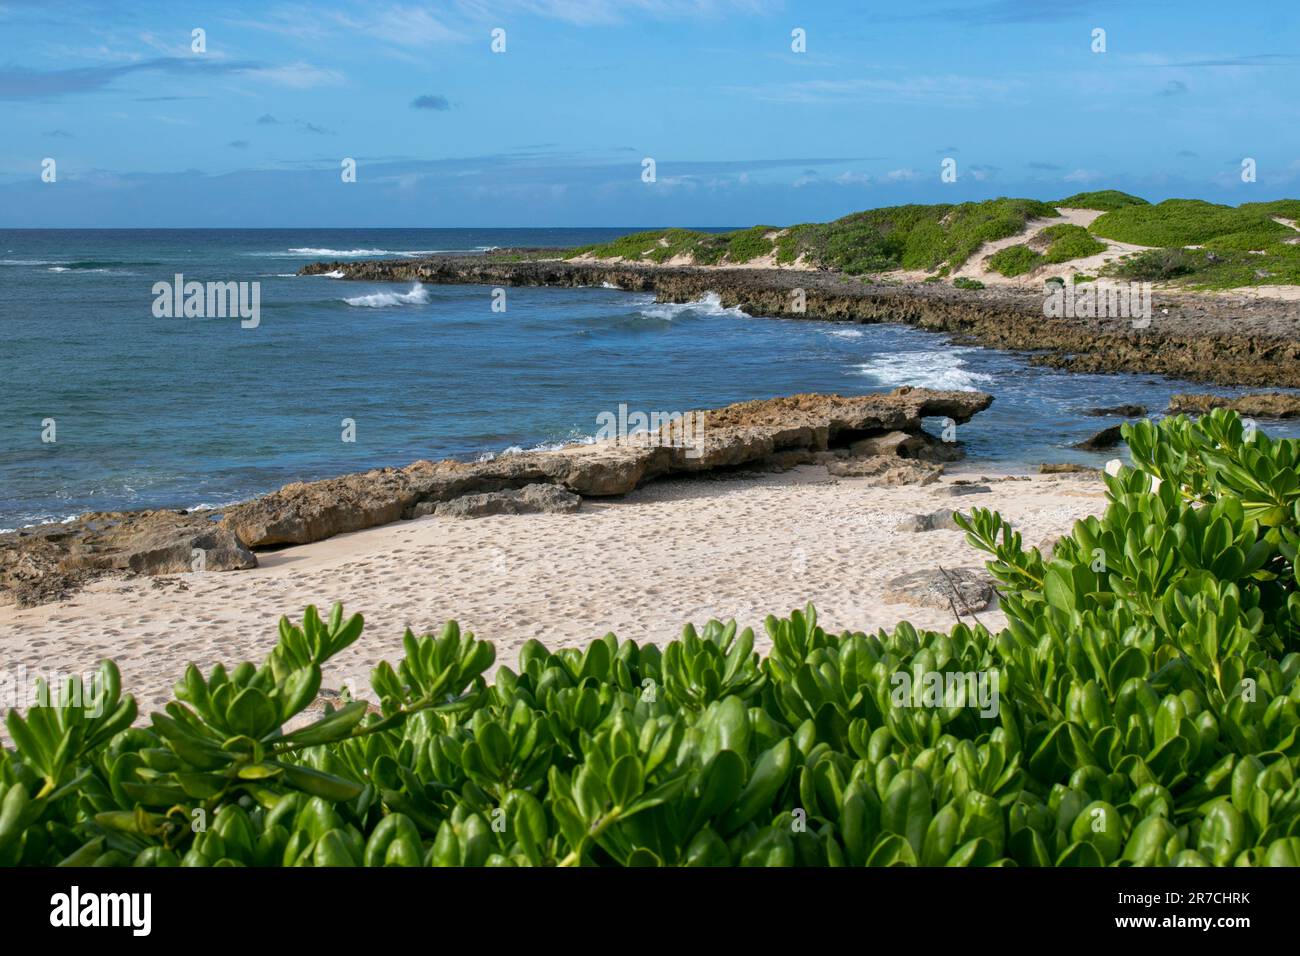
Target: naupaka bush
{"points": [[1146, 714]]}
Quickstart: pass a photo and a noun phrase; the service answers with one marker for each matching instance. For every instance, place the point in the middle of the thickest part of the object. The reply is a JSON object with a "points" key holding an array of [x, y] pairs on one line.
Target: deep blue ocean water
{"points": [[180, 412]]}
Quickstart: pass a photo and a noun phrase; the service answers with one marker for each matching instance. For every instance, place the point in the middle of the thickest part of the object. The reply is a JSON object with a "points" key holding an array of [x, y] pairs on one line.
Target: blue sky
{"points": [[552, 132]]}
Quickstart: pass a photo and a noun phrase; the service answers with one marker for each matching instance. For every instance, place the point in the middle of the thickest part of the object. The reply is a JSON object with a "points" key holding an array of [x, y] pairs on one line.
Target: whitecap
{"points": [[941, 368], [380, 300], [708, 304]]}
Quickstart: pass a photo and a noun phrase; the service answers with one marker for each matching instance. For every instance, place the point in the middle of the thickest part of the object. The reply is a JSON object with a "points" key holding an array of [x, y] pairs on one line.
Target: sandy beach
{"points": [[671, 552]]}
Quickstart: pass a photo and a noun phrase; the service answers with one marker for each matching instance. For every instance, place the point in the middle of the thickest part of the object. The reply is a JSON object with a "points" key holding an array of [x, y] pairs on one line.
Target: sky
{"points": [[252, 127]]}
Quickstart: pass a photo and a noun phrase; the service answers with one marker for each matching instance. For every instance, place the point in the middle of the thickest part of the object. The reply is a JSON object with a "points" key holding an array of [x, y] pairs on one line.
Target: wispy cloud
{"points": [[1007, 11], [933, 89], [1253, 60], [20, 83]]}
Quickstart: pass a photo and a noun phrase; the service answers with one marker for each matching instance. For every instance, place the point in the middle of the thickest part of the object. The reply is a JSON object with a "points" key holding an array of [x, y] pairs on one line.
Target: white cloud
{"points": [[901, 176], [1083, 176], [297, 76]]}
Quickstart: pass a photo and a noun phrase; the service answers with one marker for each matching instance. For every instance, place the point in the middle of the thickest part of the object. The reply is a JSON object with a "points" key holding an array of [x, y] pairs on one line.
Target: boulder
{"points": [[1117, 411], [959, 488], [883, 471], [941, 520], [1106, 438], [969, 589]]}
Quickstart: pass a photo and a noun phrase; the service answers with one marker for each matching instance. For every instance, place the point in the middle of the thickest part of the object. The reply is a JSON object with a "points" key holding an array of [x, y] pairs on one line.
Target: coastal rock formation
{"points": [[531, 499], [747, 434], [885, 471], [960, 488], [1065, 468], [1254, 405], [1106, 438], [968, 589], [1117, 411], [46, 562], [1210, 338]]}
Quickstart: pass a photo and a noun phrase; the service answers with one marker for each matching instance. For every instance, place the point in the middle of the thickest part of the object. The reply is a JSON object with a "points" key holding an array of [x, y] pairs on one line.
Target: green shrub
{"points": [[962, 282], [749, 244], [1103, 199], [1014, 260], [1147, 712], [1067, 241], [1155, 265], [1186, 222]]}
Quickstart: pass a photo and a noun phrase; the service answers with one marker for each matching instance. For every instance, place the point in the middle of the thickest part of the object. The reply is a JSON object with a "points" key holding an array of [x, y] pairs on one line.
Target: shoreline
{"points": [[882, 432], [676, 550], [1225, 339]]}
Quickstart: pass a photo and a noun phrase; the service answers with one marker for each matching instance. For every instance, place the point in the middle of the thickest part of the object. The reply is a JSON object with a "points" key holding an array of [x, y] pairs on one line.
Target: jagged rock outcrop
{"points": [[46, 562], [530, 499], [1254, 405], [1199, 337], [747, 434]]}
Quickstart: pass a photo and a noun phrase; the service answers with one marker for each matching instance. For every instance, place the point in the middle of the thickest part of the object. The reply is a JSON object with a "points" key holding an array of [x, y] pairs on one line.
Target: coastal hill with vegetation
{"points": [[1188, 243]]}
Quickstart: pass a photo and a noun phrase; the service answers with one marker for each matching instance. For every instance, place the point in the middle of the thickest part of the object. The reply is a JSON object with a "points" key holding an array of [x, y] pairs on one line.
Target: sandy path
{"points": [[668, 553]]}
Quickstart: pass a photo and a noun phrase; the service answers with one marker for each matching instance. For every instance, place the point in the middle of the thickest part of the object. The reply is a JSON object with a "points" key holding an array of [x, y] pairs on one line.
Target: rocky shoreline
{"points": [[878, 437], [1214, 338]]}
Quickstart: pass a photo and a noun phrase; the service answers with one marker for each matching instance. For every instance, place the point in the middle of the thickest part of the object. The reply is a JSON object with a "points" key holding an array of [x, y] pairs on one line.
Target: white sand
{"points": [[669, 553]]}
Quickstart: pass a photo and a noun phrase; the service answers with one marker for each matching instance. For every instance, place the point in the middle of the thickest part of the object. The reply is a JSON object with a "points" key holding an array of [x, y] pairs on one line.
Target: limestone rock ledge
{"points": [[46, 563]]}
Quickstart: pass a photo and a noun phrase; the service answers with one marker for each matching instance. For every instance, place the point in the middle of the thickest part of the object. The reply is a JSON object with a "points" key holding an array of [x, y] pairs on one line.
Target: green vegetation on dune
{"points": [[1103, 199], [939, 237], [1014, 260], [1141, 707], [706, 248], [1186, 222], [1067, 241], [1243, 245]]}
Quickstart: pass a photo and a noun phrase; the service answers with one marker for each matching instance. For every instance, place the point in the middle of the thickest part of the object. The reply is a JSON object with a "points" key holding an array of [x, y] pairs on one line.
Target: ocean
{"points": [[148, 411]]}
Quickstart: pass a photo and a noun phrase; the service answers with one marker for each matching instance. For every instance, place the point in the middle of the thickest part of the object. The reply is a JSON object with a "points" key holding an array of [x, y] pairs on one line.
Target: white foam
{"points": [[846, 333], [324, 252], [944, 369], [708, 304], [338, 253], [381, 300]]}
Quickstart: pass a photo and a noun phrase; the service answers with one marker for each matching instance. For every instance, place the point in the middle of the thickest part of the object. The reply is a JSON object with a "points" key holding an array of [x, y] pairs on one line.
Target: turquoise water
{"points": [[180, 412]]}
